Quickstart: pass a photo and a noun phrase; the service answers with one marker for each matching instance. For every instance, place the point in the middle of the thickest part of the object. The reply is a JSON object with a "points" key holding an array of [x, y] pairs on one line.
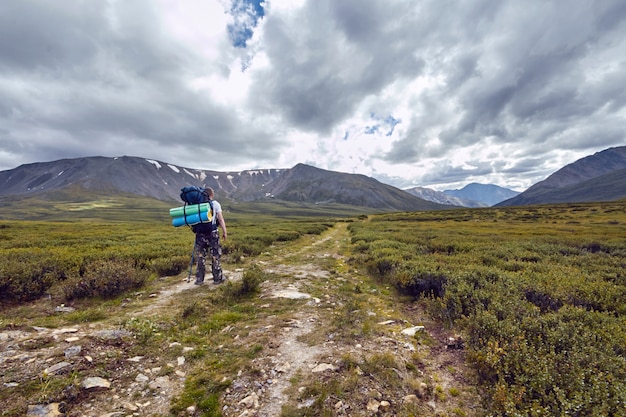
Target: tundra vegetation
{"points": [[537, 293]]}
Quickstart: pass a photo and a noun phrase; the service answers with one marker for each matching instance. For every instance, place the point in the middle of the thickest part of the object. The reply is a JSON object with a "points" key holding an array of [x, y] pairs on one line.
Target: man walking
{"points": [[208, 239]]}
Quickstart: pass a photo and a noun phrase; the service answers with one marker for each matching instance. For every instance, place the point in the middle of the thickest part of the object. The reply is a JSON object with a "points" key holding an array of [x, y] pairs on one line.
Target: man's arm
{"points": [[222, 224]]}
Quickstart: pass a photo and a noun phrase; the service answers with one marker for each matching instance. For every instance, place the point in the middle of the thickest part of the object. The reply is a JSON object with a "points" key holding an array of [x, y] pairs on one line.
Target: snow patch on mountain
{"points": [[155, 163]]}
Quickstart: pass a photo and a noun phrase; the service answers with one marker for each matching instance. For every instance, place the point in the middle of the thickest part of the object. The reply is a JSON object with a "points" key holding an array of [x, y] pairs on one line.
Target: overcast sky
{"points": [[414, 93]]}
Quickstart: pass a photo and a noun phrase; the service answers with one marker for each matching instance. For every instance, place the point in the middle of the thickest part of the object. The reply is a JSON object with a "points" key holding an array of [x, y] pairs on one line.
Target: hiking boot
{"points": [[218, 281], [198, 282]]}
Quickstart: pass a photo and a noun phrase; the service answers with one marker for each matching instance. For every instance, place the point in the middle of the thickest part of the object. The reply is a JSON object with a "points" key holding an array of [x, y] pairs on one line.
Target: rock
{"points": [[385, 404], [95, 382], [141, 378], [191, 410], [411, 331], [56, 368], [66, 330], [373, 405], [180, 360], [283, 368], [324, 367], [160, 382], [251, 401], [63, 309], [135, 359], [72, 351], [48, 410], [410, 399], [112, 334], [130, 407], [386, 322], [291, 294]]}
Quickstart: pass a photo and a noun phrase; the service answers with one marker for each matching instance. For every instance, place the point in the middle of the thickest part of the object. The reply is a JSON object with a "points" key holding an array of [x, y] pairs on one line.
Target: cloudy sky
{"points": [[432, 93]]}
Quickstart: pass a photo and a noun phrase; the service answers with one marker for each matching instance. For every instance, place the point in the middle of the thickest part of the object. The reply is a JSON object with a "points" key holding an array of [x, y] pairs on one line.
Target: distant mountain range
{"points": [[472, 195], [598, 177], [487, 194], [101, 176], [444, 198]]}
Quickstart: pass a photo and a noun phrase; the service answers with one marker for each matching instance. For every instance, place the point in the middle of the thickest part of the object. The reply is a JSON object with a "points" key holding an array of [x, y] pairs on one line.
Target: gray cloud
{"points": [[74, 80], [530, 76], [331, 56], [428, 83]]}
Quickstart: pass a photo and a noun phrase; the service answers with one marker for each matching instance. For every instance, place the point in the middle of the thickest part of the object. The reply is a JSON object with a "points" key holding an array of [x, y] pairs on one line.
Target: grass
{"points": [[536, 292]]}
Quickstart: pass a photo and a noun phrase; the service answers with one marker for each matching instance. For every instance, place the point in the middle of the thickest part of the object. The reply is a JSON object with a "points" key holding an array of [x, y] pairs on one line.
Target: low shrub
{"points": [[170, 266], [249, 284], [26, 276], [105, 279], [424, 284]]}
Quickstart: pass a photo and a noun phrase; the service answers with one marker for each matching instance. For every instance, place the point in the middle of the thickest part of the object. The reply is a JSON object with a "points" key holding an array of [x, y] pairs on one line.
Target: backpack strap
{"points": [[213, 218], [185, 214]]}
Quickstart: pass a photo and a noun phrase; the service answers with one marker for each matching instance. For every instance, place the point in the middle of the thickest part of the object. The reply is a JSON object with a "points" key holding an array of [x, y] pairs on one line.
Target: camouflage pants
{"points": [[204, 244]]}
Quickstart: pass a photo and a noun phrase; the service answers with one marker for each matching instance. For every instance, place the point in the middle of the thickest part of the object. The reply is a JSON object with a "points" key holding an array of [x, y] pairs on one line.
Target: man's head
{"points": [[209, 192]]}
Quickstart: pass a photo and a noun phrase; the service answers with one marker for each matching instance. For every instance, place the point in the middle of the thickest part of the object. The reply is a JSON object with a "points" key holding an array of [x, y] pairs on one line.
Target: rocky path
{"points": [[309, 353], [305, 351]]}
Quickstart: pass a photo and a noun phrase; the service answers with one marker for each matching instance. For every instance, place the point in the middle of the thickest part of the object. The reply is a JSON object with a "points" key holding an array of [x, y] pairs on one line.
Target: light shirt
{"points": [[217, 208]]}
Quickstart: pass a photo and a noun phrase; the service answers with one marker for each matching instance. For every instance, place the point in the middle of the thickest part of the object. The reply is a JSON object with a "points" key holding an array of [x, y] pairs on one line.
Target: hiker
{"points": [[208, 238]]}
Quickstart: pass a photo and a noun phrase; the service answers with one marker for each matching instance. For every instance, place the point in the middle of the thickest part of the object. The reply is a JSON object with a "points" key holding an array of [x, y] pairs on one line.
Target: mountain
{"points": [[442, 198], [310, 184], [597, 177], [128, 176], [488, 194]]}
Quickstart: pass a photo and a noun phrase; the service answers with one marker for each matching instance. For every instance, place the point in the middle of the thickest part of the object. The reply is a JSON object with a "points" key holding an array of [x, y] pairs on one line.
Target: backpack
{"points": [[193, 194]]}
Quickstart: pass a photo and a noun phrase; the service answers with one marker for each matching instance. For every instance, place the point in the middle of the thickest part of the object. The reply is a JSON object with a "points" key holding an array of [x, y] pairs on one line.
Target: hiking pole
{"points": [[193, 255]]}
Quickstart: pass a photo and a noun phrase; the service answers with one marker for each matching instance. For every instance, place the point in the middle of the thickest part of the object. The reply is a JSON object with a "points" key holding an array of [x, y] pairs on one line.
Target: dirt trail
{"points": [[294, 356], [308, 356]]}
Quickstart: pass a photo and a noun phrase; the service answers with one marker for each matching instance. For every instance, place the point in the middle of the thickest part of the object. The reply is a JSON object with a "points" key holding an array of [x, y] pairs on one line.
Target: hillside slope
{"points": [[608, 187], [307, 183], [592, 178]]}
